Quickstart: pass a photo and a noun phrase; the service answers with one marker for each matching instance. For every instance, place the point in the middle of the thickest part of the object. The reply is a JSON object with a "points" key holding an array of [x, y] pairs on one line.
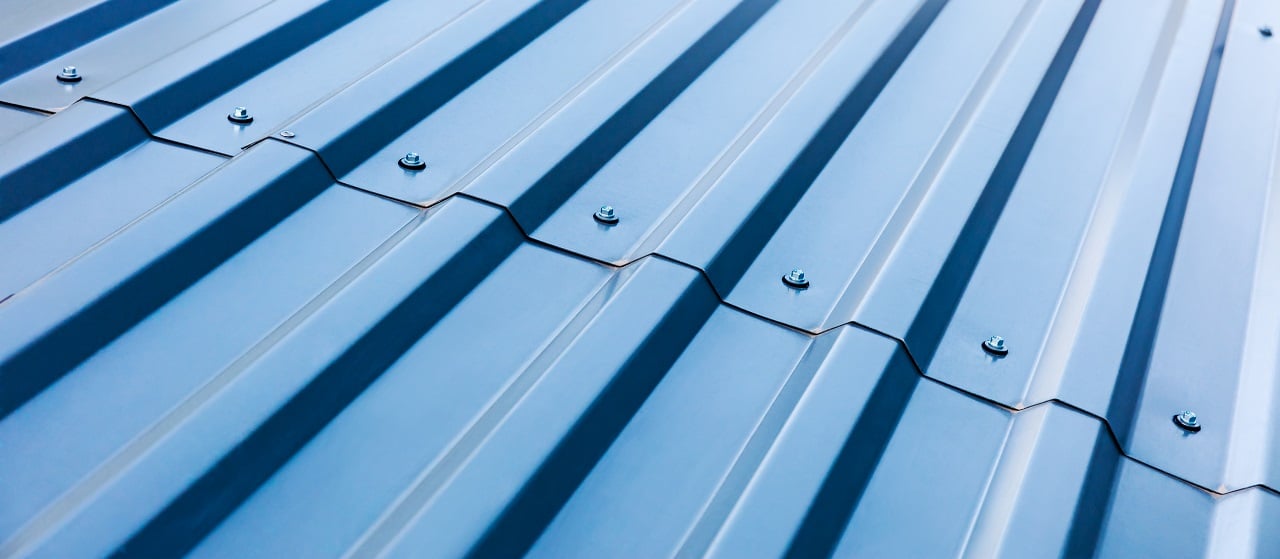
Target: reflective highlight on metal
{"points": [[225, 340]]}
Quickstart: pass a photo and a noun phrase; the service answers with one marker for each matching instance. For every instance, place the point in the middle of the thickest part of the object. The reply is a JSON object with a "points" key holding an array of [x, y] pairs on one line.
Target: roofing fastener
{"points": [[1188, 421], [240, 115], [995, 346], [413, 162], [69, 74], [287, 134], [796, 279], [1265, 30], [606, 215]]}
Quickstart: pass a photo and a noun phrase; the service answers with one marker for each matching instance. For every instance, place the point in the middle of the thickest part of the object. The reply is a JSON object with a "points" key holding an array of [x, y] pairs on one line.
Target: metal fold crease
{"points": [[250, 342]]}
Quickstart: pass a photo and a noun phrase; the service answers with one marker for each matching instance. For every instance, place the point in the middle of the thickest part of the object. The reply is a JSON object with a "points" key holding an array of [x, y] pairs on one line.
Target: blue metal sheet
{"points": [[71, 181], [211, 296], [653, 141], [14, 121], [978, 482], [269, 338], [275, 62], [105, 42], [462, 123], [35, 32], [23, 18], [621, 410]]}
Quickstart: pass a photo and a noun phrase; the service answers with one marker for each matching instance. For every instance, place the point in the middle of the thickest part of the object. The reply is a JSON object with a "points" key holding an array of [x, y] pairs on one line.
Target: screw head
{"points": [[69, 74], [995, 346], [1188, 421], [413, 162], [287, 134], [795, 278], [606, 215], [1265, 30], [240, 115]]}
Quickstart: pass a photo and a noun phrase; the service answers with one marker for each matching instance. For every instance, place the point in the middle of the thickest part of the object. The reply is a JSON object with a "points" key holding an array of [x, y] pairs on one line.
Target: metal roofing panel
{"points": [[451, 99], [245, 355], [276, 62], [835, 432], [13, 121], [858, 194], [646, 146], [103, 43], [24, 17], [61, 181]]}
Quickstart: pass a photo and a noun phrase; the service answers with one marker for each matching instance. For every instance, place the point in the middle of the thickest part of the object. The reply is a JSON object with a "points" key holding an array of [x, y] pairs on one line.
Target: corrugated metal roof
{"points": [[269, 338]]}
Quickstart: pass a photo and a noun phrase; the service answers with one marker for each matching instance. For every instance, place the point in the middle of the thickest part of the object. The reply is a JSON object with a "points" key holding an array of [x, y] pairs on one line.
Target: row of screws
{"points": [[608, 216], [1187, 420], [995, 345]]}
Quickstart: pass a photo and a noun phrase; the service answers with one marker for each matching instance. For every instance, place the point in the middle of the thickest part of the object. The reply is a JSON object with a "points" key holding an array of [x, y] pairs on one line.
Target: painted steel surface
{"points": [[266, 337]]}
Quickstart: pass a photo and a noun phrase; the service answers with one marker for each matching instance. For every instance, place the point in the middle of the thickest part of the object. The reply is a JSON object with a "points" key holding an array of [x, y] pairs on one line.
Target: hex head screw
{"points": [[240, 115], [606, 215], [413, 162], [1188, 421], [69, 74], [995, 346], [795, 279]]}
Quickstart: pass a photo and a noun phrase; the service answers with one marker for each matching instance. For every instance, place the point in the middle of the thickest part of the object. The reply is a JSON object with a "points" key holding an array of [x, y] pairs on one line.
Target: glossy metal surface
{"points": [[14, 120], [217, 339]]}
